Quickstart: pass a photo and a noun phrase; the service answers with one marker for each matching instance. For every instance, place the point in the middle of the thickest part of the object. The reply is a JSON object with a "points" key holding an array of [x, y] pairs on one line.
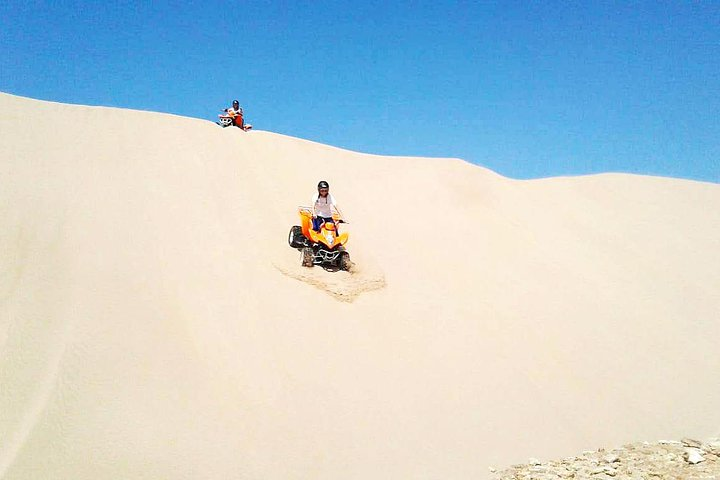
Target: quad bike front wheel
{"points": [[344, 261], [296, 239], [307, 257]]}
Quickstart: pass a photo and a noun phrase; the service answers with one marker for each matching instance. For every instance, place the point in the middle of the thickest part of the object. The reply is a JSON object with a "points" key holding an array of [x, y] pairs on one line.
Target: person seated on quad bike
{"points": [[236, 112], [322, 204]]}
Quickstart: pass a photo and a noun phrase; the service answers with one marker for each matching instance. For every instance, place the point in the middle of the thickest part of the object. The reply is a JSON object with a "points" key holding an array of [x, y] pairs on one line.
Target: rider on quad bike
{"points": [[318, 238], [234, 116], [322, 204]]}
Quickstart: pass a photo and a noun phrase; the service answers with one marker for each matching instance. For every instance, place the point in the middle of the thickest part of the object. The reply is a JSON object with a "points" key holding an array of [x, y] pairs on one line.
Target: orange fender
{"points": [[343, 238], [305, 221]]}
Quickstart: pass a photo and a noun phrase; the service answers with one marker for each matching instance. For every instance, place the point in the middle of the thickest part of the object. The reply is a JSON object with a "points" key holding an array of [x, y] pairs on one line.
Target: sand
{"points": [[154, 323]]}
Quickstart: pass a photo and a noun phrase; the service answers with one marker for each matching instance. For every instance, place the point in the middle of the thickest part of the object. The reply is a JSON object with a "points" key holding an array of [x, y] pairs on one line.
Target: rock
{"points": [[492, 469], [689, 442], [611, 458], [712, 446], [533, 461], [538, 468], [693, 456]]}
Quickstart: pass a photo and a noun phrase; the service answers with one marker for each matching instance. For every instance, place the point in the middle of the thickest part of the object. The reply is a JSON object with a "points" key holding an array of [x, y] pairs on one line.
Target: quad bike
{"points": [[227, 119], [325, 248]]}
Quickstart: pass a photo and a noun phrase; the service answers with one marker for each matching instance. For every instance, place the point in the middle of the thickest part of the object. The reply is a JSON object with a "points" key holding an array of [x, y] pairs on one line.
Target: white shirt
{"points": [[322, 205]]}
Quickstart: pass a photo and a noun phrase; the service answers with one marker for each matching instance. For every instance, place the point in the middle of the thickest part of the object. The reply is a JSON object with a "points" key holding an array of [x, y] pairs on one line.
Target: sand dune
{"points": [[155, 324]]}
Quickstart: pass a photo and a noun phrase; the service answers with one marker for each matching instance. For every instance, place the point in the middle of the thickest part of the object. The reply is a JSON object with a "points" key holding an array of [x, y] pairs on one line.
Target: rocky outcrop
{"points": [[665, 460]]}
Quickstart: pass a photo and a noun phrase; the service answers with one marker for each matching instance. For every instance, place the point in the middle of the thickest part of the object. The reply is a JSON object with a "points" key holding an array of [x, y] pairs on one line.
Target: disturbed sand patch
{"points": [[343, 286]]}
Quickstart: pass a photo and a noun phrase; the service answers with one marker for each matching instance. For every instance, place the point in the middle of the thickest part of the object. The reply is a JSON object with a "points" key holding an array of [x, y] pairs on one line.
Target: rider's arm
{"points": [[335, 205], [342, 215], [313, 202]]}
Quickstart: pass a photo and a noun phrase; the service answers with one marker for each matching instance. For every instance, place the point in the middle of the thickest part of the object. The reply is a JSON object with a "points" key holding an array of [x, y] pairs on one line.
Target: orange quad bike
{"points": [[325, 248], [229, 118]]}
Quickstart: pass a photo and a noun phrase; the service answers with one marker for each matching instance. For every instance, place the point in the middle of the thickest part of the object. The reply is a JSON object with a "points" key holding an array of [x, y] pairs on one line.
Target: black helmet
{"points": [[235, 102], [323, 184]]}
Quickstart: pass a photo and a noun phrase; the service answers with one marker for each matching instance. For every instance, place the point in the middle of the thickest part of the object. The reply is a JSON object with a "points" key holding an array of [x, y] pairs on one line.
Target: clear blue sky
{"points": [[528, 89]]}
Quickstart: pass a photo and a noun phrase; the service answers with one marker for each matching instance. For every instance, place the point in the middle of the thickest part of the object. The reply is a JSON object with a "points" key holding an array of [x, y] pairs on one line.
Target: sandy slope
{"points": [[155, 324]]}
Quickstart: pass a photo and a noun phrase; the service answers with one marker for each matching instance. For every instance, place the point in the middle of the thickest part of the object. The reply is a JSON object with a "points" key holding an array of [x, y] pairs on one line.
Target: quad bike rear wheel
{"points": [[296, 239], [307, 257]]}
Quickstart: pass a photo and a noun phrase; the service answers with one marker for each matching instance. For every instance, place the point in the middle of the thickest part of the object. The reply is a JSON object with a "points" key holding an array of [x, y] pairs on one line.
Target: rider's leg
{"points": [[318, 221]]}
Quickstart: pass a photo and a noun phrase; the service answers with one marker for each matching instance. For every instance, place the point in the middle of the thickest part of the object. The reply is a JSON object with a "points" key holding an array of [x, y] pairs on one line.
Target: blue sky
{"points": [[528, 89]]}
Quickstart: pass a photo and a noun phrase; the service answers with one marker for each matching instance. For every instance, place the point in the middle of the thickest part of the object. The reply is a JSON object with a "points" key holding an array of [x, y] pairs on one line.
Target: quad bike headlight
{"points": [[329, 237]]}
